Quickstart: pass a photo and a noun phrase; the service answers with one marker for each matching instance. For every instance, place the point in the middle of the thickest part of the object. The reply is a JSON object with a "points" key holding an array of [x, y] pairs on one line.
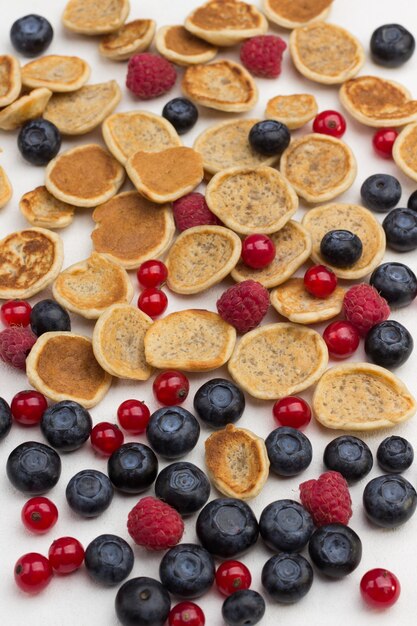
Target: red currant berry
{"points": [[258, 251], [133, 416], [383, 142], [292, 411], [186, 614], [232, 576], [342, 339], [380, 588], [320, 281], [106, 438], [32, 572], [330, 123], [39, 515], [28, 407], [152, 273], [153, 302], [15, 313], [66, 555], [171, 387]]}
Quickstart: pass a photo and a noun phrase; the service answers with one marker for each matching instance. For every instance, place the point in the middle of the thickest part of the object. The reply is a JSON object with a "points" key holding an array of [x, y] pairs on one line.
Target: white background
{"points": [[75, 599]]}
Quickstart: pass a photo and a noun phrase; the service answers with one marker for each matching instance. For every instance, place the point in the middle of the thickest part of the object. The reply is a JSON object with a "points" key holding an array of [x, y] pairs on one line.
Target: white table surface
{"points": [[75, 599]]}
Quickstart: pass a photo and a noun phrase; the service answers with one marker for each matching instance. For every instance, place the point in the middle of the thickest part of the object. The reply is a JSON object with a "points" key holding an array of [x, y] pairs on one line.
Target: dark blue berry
{"points": [[5, 418], [341, 248], [142, 601], [412, 201], [182, 114], [187, 570], [285, 526], [243, 608], [39, 141], [350, 456], [89, 493], [287, 577], [49, 316], [31, 35], [289, 451], [392, 45], [108, 559], [389, 344], [133, 467], [172, 431], [219, 402], [33, 467], [183, 486], [66, 425], [396, 282], [400, 228], [269, 137], [395, 454], [381, 192], [389, 500], [335, 550]]}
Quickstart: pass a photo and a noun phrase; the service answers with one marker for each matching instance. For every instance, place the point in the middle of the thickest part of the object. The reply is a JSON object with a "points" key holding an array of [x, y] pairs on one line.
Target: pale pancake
{"points": [[178, 45], [294, 111], [223, 85], [201, 257], [251, 200], [40, 208], [326, 53], [226, 22], [29, 261], [319, 167], [6, 190], [192, 340], [62, 366], [10, 79], [25, 108], [294, 13], [130, 229], [56, 72], [361, 396], [84, 176], [292, 248], [131, 38], [293, 301], [405, 151], [357, 219], [167, 175], [129, 132], [278, 360], [90, 286], [95, 17], [118, 342]]}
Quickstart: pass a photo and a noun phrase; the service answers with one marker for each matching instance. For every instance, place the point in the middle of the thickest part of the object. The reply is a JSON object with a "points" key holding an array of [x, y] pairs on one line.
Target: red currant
{"points": [[66, 555], [186, 614], [133, 416], [15, 313], [39, 515], [28, 407], [106, 438], [32, 572], [380, 588], [292, 411], [383, 142], [258, 251], [153, 302], [232, 576], [330, 123], [152, 273], [171, 387], [342, 339], [320, 281]]}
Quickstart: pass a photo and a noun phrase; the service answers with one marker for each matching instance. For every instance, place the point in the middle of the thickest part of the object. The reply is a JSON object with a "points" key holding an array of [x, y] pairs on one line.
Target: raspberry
{"points": [[154, 524], [262, 55], [364, 307], [149, 75], [192, 210], [244, 305], [327, 499], [15, 344]]}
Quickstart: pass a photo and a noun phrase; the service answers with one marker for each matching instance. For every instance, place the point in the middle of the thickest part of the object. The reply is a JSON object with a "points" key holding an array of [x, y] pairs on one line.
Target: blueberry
{"points": [[285, 526], [227, 527], [33, 467], [243, 608], [31, 35], [396, 282], [269, 137], [350, 456], [289, 451], [133, 467], [66, 425], [48, 316], [187, 570], [89, 493], [400, 228], [142, 601], [39, 141], [184, 486], [287, 577], [341, 248], [395, 454], [335, 550], [108, 559], [392, 45], [412, 201], [389, 500], [219, 402], [172, 431], [182, 114], [381, 192], [5, 419], [389, 344]]}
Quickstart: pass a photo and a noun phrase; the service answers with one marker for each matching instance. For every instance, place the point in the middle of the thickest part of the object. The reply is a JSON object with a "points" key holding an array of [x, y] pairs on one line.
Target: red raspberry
{"points": [[262, 55], [149, 75], [244, 305], [327, 499], [154, 524], [15, 344], [364, 307], [192, 210]]}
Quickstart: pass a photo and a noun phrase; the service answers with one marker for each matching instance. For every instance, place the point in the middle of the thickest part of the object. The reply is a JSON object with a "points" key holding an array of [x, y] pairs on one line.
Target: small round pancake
{"points": [[251, 200], [118, 342], [129, 39], [294, 13], [326, 53], [130, 229], [357, 219], [292, 248], [30, 260], [10, 79], [90, 286], [278, 360], [95, 17], [319, 167], [56, 72], [201, 257], [293, 301], [62, 366], [178, 45], [40, 208], [192, 340], [294, 111], [25, 108], [84, 176], [6, 190], [361, 396], [79, 112], [223, 85], [405, 151]]}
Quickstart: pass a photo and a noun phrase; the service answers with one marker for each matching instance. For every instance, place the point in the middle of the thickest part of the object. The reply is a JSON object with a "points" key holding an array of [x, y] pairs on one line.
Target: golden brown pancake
{"points": [[56, 72], [25, 108], [10, 79], [293, 301], [95, 17], [40, 208], [293, 13], [294, 111], [405, 151], [6, 190], [129, 39], [180, 46]]}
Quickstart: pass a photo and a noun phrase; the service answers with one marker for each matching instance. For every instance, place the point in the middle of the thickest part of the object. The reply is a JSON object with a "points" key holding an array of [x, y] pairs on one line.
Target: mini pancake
{"points": [[62, 366], [167, 175], [29, 261], [361, 396], [84, 176], [226, 22], [90, 286], [294, 13], [278, 360], [6, 190], [40, 208], [95, 17], [237, 462], [293, 301], [292, 248], [223, 85], [319, 167], [130, 229], [251, 200], [357, 219], [118, 342], [192, 340], [129, 132], [131, 38], [56, 72], [201, 257], [178, 45], [10, 79], [326, 53], [294, 111], [378, 102], [405, 151], [79, 112], [24, 109]]}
